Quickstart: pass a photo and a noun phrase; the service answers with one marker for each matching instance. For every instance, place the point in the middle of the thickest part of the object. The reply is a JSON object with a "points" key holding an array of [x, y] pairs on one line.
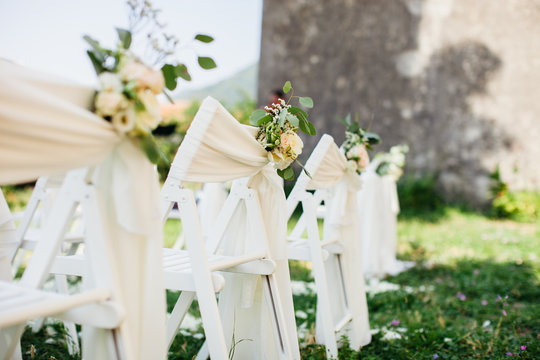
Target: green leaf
{"points": [[264, 120], [307, 127], [306, 101], [98, 65], [204, 38], [372, 138], [169, 74], [282, 116], [298, 112], [129, 90], [139, 106], [182, 71], [354, 128], [348, 119], [287, 174], [93, 43], [287, 87], [293, 120], [125, 37], [152, 150], [206, 62], [256, 116]]}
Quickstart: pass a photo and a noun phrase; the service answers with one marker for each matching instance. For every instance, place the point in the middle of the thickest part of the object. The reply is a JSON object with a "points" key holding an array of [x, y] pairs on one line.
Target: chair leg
{"points": [[277, 317], [324, 307], [177, 315]]}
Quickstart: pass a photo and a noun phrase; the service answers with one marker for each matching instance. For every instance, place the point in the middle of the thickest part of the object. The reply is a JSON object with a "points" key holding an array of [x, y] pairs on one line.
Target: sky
{"points": [[47, 35]]}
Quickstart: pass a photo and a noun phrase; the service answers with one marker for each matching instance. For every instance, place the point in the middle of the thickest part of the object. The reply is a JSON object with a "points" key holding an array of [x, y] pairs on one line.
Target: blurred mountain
{"points": [[230, 90]]}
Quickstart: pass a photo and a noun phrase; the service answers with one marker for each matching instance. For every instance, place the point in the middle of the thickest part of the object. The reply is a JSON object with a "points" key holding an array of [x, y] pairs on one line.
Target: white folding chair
{"points": [[28, 233], [336, 261], [217, 149], [22, 301]]}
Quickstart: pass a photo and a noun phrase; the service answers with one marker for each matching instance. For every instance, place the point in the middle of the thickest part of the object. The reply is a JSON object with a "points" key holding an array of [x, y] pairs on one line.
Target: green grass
{"points": [[463, 259]]}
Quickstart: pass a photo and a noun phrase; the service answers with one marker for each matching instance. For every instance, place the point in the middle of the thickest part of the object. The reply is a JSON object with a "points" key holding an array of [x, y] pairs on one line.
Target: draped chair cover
{"points": [[341, 219], [379, 206], [217, 148], [7, 239], [46, 128]]}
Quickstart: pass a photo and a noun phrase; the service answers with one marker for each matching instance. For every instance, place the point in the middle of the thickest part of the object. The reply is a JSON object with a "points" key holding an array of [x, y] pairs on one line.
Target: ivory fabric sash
{"points": [[341, 219], [46, 128]]}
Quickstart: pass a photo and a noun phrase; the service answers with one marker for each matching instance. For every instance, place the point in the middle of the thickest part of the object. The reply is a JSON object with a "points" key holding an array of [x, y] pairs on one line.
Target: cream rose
{"points": [[110, 82], [352, 165], [124, 121], [279, 159], [109, 103], [144, 77], [150, 117], [291, 142], [360, 154]]}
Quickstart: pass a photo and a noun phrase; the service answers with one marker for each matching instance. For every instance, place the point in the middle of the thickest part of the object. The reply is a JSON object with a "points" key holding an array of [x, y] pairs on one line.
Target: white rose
{"points": [[292, 143], [109, 103], [110, 82], [280, 160], [151, 116], [124, 121]]}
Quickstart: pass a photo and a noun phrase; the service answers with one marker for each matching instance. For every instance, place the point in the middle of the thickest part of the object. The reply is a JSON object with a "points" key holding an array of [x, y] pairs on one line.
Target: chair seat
{"points": [[298, 248], [178, 270], [20, 304]]}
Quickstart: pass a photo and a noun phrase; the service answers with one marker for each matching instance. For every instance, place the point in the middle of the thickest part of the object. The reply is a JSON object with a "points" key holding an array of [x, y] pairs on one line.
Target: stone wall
{"points": [[457, 80]]}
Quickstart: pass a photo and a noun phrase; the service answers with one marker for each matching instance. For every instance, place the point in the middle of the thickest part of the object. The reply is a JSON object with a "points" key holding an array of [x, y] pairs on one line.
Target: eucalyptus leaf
{"points": [[293, 120], [125, 37], [206, 62], [282, 116], [306, 101], [348, 119], [256, 116], [287, 87], [204, 38], [170, 75]]}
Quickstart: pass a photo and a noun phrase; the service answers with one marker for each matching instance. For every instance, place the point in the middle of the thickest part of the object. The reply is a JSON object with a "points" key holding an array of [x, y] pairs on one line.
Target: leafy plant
{"points": [[364, 136]]}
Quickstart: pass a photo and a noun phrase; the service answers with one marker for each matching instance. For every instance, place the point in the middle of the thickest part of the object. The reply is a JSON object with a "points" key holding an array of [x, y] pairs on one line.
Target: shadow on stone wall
{"points": [[349, 56], [456, 140]]}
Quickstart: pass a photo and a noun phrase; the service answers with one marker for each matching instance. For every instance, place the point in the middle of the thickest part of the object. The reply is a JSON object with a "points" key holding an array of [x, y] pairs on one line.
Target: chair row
{"points": [[236, 266]]}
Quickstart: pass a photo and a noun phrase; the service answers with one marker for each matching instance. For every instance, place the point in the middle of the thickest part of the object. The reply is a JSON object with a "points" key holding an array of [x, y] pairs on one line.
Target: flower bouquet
{"points": [[128, 91], [392, 162], [357, 142], [278, 125]]}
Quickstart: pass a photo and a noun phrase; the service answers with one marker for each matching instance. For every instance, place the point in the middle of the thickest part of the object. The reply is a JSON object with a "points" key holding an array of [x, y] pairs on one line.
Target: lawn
{"points": [[474, 294]]}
